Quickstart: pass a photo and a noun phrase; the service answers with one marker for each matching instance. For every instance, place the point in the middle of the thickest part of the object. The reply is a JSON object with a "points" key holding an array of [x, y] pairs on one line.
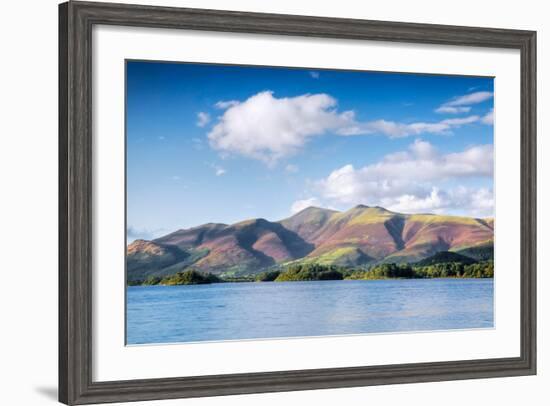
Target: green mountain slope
{"points": [[308, 222], [444, 257], [357, 237], [479, 253], [145, 259]]}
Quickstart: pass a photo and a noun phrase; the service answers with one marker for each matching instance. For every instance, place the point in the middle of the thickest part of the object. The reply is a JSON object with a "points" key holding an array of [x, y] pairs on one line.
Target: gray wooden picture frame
{"points": [[76, 20]]}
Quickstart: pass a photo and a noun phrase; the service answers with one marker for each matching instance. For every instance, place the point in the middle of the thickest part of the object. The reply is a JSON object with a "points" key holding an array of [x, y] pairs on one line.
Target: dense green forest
{"points": [[440, 266], [189, 277], [439, 270], [310, 272], [316, 272]]}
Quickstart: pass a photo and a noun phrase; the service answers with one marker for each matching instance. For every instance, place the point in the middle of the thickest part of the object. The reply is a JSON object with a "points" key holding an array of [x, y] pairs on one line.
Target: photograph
{"points": [[273, 200], [269, 202]]}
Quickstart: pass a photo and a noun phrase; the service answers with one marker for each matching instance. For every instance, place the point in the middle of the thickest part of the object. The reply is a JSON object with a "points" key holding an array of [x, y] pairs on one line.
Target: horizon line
{"points": [[357, 206]]}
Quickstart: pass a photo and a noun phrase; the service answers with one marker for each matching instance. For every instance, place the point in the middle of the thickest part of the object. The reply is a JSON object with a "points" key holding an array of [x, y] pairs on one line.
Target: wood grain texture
{"points": [[76, 20], [63, 246]]}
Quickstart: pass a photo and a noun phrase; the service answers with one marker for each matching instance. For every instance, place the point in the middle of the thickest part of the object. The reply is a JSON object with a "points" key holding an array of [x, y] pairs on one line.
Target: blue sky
{"points": [[213, 143]]}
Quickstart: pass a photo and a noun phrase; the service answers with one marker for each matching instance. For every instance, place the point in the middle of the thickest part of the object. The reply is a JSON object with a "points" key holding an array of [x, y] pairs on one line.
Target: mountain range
{"points": [[357, 237]]}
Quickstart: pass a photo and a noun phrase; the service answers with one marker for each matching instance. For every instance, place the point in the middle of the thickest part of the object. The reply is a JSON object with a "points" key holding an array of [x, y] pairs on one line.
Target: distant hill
{"points": [[360, 236], [308, 223], [240, 248], [147, 258], [444, 257], [479, 253]]}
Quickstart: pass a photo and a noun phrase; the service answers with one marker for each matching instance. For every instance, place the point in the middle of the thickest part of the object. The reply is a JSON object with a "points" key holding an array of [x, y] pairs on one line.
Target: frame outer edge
{"points": [[299, 25], [75, 202], [64, 367], [533, 282], [80, 178], [529, 193]]}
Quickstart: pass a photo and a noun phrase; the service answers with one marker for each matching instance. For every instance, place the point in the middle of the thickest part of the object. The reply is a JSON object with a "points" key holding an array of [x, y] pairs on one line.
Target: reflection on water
{"points": [[233, 311]]}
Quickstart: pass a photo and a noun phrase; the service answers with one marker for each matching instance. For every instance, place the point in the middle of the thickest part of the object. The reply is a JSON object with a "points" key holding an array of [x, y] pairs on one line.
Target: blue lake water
{"points": [[234, 311]]}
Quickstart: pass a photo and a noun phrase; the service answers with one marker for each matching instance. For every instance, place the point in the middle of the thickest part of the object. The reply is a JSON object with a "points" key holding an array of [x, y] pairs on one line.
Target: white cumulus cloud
{"points": [[267, 128], [300, 205], [461, 104], [452, 110], [488, 118], [471, 98], [202, 118], [418, 179], [224, 104], [314, 74], [218, 170], [476, 202], [394, 129], [135, 233]]}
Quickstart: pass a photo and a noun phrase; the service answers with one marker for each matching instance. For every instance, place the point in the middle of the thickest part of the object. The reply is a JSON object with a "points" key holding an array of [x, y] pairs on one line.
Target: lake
{"points": [[234, 311]]}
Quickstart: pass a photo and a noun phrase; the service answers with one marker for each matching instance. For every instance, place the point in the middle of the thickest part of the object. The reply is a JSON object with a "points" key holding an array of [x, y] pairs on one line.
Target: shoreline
{"points": [[312, 280], [317, 272]]}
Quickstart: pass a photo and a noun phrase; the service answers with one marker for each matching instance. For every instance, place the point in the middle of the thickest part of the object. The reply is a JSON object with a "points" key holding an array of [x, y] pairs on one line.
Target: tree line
{"points": [[311, 272], [188, 277], [317, 272]]}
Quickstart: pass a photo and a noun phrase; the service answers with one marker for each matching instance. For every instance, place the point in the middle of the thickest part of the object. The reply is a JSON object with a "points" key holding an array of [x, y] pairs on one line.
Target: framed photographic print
{"points": [[256, 203]]}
